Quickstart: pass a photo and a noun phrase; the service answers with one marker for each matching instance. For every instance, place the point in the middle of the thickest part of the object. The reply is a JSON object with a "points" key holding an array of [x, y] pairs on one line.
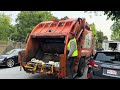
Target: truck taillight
{"points": [[95, 65], [60, 74], [92, 63]]}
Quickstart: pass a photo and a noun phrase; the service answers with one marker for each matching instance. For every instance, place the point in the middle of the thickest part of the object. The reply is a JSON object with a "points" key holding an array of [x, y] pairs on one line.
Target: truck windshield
{"points": [[107, 56]]}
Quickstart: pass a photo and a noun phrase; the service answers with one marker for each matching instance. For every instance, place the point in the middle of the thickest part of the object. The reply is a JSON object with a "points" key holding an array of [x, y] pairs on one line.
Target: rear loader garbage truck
{"points": [[46, 47]]}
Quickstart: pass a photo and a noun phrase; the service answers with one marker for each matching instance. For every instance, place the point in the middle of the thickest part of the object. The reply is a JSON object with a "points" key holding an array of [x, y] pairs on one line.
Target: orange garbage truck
{"points": [[46, 47]]}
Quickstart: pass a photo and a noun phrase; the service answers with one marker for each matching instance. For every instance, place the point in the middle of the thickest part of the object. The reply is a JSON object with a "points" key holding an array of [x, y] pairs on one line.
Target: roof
{"points": [[53, 28], [109, 51], [18, 49], [112, 41]]}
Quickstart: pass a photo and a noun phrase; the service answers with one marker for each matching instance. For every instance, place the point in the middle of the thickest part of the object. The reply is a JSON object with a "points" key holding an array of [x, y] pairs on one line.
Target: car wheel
{"points": [[81, 67], [10, 63]]}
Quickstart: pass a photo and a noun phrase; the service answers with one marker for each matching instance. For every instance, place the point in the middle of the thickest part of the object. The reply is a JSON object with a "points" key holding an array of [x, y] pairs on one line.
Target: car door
{"points": [[15, 57]]}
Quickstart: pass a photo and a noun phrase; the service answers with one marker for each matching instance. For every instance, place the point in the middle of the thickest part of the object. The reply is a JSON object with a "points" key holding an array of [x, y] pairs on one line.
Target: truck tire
{"points": [[81, 67]]}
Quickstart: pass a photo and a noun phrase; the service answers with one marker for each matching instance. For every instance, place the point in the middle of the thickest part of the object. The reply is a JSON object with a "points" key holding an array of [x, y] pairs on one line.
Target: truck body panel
{"points": [[51, 38]]}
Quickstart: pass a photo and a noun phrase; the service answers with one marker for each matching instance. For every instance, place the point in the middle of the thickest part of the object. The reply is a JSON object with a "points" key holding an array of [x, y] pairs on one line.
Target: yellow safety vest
{"points": [[75, 53]]}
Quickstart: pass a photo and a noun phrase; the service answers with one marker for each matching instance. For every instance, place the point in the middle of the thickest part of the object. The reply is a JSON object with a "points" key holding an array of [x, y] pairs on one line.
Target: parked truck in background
{"points": [[111, 45], [46, 47]]}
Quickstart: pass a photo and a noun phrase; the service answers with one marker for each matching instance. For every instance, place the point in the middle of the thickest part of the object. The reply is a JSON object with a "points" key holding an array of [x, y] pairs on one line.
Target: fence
{"points": [[9, 45]]}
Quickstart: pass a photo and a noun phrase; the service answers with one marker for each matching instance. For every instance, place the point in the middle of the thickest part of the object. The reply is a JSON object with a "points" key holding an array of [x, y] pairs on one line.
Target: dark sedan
{"points": [[105, 65], [10, 58]]}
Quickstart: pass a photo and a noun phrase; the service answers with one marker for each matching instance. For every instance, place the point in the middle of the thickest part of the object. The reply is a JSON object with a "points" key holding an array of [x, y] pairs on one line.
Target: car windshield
{"points": [[107, 56], [14, 51]]}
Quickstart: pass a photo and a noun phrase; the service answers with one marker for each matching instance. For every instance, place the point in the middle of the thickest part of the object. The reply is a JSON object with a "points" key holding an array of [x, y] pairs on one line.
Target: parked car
{"points": [[104, 65], [10, 58]]}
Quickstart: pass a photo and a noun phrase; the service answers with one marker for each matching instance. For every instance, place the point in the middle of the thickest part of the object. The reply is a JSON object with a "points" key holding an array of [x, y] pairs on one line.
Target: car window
{"points": [[107, 56], [14, 51]]}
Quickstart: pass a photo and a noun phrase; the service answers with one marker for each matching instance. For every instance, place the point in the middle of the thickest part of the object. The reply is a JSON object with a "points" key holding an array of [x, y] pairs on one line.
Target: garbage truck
{"points": [[46, 47]]}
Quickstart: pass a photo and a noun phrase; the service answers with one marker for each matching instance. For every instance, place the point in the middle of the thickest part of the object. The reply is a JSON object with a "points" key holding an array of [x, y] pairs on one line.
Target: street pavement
{"points": [[15, 73]]}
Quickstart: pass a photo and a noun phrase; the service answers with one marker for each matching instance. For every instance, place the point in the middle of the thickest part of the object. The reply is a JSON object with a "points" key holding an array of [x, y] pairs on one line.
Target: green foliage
{"points": [[100, 39], [27, 20], [105, 38], [94, 30], [115, 30], [114, 15], [98, 35], [5, 26], [99, 45]]}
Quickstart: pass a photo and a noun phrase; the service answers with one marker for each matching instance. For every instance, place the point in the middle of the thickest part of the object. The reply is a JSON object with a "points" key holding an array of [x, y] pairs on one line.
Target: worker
{"points": [[72, 55]]}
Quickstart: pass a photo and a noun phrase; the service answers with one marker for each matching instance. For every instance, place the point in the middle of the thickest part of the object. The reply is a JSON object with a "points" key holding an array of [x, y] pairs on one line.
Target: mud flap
{"points": [[81, 67]]}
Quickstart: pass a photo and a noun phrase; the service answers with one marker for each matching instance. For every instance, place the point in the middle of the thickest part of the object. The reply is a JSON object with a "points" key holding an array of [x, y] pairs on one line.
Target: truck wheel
{"points": [[81, 67], [10, 63]]}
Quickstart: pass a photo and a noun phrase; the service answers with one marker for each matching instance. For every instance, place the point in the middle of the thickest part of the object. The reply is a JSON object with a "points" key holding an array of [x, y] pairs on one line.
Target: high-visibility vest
{"points": [[75, 53]]}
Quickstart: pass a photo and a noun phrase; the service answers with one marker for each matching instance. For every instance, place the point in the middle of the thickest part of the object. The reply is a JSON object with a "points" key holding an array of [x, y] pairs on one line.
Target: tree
{"points": [[94, 30], [114, 15], [115, 30], [27, 20], [5, 26], [105, 38], [14, 35], [100, 39], [98, 35]]}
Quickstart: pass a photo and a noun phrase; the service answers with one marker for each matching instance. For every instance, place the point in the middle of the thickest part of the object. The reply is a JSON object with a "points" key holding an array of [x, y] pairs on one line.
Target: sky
{"points": [[100, 20]]}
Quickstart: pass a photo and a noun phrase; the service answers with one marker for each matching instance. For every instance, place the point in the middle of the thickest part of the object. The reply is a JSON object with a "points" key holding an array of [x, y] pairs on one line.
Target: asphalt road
{"points": [[15, 73]]}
